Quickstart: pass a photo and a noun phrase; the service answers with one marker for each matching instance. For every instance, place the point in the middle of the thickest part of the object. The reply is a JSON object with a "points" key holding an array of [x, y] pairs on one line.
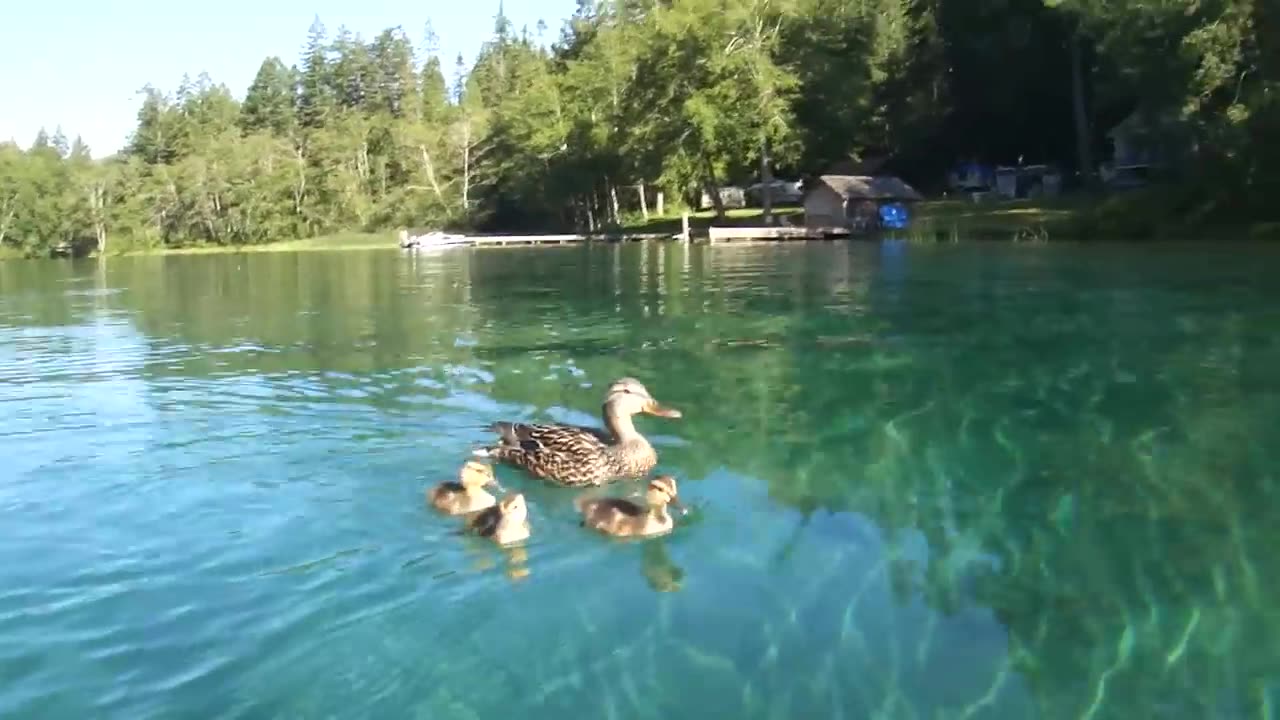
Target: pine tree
{"points": [[395, 85], [59, 143], [315, 96], [435, 95], [270, 101], [80, 150], [352, 78]]}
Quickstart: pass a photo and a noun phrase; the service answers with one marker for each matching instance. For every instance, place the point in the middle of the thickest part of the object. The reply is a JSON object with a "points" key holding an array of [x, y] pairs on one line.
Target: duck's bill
{"points": [[660, 410]]}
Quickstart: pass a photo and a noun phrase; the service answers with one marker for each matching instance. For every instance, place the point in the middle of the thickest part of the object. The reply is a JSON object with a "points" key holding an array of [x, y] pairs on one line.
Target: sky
{"points": [[80, 64]]}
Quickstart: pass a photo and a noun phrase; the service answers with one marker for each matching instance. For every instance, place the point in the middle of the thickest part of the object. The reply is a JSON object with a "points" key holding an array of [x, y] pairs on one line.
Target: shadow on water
{"points": [[929, 481]]}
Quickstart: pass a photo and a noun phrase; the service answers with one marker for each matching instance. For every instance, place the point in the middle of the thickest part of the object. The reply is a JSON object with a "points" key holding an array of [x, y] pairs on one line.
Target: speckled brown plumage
{"points": [[577, 456]]}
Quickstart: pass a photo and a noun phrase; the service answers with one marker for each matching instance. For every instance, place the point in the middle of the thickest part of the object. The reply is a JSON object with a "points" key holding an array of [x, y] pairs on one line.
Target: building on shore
{"points": [[857, 201]]}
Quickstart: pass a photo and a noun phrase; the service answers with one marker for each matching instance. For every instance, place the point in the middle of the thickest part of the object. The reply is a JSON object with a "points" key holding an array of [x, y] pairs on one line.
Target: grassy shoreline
{"points": [[961, 218], [1067, 218], [336, 241]]}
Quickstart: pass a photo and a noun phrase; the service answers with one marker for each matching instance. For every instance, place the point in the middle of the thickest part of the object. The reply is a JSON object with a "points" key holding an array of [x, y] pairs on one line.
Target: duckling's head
{"points": [[627, 396], [662, 491], [513, 506], [475, 475]]}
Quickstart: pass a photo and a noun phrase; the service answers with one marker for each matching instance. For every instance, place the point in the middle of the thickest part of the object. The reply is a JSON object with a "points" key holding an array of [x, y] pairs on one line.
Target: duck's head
{"points": [[514, 507], [662, 491], [475, 475], [628, 396]]}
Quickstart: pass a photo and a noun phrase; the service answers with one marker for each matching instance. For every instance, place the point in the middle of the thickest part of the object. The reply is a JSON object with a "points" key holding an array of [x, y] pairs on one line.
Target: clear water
{"points": [[970, 481]]}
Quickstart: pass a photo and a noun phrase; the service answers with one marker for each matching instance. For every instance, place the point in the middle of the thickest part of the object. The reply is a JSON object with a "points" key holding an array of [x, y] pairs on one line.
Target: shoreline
{"points": [[940, 220]]}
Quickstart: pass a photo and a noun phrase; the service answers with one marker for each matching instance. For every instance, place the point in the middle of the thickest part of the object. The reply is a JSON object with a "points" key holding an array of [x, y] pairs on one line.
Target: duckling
{"points": [[623, 517], [504, 523], [467, 493]]}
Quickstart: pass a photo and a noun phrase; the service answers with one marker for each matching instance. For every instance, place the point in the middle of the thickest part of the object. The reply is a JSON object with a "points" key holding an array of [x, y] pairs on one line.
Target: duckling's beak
{"points": [[656, 408], [676, 501]]}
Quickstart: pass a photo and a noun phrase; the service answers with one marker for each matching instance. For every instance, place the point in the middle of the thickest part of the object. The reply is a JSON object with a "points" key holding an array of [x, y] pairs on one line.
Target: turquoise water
{"points": [[966, 481]]}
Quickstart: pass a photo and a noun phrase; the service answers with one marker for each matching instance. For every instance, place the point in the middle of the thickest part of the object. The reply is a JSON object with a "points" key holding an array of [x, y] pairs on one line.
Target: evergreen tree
{"points": [[315, 93], [59, 143], [352, 79], [435, 96], [396, 89], [41, 142], [269, 105]]}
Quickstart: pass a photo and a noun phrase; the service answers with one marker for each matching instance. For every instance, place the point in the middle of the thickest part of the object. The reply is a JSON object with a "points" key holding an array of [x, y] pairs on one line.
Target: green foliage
{"points": [[270, 101], [637, 97]]}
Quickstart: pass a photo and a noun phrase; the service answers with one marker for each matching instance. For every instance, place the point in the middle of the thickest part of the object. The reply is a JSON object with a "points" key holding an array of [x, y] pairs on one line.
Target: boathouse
{"points": [[852, 200]]}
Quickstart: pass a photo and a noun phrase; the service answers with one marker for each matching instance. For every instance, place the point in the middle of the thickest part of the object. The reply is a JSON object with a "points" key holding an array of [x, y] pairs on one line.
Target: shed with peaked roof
{"points": [[838, 200]]}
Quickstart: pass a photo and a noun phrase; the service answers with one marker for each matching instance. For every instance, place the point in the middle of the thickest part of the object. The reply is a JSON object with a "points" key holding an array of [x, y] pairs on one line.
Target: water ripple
{"points": [[923, 482]]}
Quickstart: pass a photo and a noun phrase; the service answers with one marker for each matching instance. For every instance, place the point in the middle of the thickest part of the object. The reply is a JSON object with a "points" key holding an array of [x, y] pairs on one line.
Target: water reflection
{"points": [[484, 556], [958, 482]]}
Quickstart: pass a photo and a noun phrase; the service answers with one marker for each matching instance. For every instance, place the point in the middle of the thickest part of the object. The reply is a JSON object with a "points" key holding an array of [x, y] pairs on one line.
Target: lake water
{"points": [[961, 481]]}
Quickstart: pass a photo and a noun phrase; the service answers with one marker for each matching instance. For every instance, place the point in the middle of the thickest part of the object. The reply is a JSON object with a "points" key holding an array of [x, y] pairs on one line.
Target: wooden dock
{"points": [[713, 234], [409, 242], [565, 239], [774, 232]]}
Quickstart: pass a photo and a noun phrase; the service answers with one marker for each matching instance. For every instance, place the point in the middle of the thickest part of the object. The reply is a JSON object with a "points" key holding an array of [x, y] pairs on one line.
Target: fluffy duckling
{"points": [[467, 493], [622, 517], [504, 523]]}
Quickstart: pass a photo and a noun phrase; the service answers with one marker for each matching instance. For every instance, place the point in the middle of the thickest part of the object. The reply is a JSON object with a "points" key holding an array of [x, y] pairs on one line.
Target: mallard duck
{"points": [[625, 518], [467, 493], [577, 456], [504, 523]]}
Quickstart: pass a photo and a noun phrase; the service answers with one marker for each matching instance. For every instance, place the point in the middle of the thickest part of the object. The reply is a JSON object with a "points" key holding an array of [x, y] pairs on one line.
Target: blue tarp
{"points": [[894, 216]]}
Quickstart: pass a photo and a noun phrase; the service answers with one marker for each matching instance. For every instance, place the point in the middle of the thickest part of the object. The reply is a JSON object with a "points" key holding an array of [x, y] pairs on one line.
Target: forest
{"points": [[572, 129]]}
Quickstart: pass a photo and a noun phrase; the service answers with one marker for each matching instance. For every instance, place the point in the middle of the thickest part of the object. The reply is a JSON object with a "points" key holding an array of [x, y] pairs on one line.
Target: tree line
{"points": [[639, 96]]}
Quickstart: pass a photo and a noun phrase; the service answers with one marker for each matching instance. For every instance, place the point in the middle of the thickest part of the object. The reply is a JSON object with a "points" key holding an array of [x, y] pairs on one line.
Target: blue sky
{"points": [[79, 64]]}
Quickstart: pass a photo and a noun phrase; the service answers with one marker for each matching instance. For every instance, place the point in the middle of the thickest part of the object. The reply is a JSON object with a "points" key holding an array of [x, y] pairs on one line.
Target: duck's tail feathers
{"points": [[498, 453], [510, 433]]}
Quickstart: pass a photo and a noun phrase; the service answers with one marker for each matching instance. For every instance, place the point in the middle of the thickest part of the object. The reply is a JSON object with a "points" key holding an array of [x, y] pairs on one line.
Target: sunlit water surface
{"points": [[925, 482]]}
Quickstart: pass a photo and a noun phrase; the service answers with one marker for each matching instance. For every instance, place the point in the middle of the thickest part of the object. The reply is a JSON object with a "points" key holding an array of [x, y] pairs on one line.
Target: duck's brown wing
{"points": [[535, 437], [563, 454]]}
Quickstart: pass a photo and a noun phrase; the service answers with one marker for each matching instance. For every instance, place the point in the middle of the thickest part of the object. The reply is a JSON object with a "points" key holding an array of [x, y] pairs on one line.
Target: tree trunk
{"points": [[4, 225], [766, 179], [300, 190], [713, 188], [1084, 155], [362, 161], [97, 206], [644, 203], [430, 168], [613, 202], [466, 171]]}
